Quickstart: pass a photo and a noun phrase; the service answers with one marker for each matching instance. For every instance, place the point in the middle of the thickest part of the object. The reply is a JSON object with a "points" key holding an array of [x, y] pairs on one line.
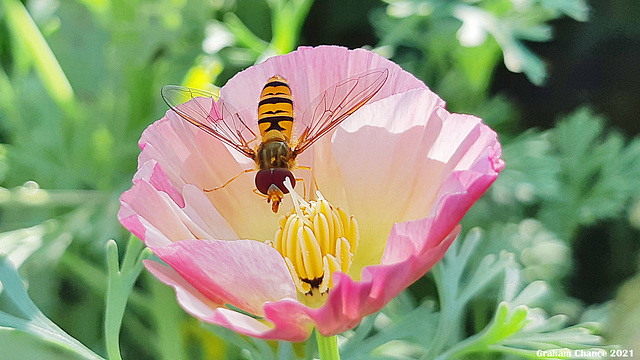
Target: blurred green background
{"points": [[80, 80]]}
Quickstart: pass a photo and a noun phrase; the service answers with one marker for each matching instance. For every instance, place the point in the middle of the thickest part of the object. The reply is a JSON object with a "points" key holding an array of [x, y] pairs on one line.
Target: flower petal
{"points": [[157, 205], [393, 169], [288, 325], [196, 304], [330, 64], [152, 173], [383, 167], [157, 209], [243, 273], [188, 296]]}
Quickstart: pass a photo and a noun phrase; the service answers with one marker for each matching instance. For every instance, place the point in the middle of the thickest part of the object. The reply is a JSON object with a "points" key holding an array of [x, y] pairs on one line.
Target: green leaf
{"points": [[243, 35], [26, 32], [576, 9], [517, 328], [31, 320], [17, 344], [445, 31], [258, 348], [457, 285], [598, 175], [18, 245], [413, 327]]}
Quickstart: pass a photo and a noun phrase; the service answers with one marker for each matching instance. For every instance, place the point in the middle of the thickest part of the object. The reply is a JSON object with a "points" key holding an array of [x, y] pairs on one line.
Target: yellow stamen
{"points": [[311, 253], [315, 240], [330, 265], [343, 253]]}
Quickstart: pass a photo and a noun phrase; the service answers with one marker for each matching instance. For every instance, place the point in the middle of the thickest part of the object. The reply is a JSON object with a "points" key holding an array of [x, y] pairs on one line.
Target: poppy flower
{"points": [[394, 179]]}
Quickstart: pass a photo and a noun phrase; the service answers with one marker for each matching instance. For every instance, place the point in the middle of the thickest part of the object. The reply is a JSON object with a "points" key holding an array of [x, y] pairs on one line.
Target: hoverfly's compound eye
{"points": [[276, 176]]}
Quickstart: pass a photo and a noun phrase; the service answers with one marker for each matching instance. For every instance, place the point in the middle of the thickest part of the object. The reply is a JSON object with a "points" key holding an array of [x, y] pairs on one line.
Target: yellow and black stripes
{"points": [[275, 111]]}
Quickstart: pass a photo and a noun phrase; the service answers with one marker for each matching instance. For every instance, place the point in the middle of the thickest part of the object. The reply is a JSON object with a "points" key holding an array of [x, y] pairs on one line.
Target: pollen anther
{"points": [[316, 239]]}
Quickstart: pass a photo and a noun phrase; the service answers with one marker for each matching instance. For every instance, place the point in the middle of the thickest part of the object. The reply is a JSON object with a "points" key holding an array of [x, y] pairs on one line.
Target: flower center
{"points": [[316, 240]]}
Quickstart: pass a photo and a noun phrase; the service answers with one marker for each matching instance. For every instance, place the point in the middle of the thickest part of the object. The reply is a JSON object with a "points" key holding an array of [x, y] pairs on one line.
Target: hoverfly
{"points": [[276, 154]]}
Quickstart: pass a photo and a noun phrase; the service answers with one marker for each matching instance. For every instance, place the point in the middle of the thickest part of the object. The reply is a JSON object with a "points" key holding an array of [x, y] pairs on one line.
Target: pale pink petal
{"points": [[287, 326], [143, 229], [132, 222], [389, 169], [201, 211], [382, 167], [154, 201], [152, 173], [457, 195], [161, 143], [158, 209], [205, 309], [330, 65], [411, 250], [188, 296], [243, 273]]}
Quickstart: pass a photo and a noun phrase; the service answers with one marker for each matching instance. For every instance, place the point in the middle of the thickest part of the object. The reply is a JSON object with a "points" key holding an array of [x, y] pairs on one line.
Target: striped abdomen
{"points": [[275, 111]]}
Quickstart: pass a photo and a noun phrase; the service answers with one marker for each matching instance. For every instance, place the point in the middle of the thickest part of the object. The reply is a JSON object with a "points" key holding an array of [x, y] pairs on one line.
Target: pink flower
{"points": [[402, 166]]}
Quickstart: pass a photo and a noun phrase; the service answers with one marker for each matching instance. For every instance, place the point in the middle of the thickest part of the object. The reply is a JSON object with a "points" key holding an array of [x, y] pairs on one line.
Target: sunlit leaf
{"points": [[25, 30]]}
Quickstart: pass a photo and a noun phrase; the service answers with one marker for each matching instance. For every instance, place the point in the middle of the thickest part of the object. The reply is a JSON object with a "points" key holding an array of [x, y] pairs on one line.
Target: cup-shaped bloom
{"points": [[395, 178]]}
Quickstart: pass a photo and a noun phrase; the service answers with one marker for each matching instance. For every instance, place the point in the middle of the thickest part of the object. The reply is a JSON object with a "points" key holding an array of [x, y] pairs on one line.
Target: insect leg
{"points": [[257, 192], [230, 180]]}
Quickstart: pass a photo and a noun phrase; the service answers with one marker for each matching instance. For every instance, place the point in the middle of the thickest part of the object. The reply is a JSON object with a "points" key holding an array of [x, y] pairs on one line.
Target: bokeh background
{"points": [[559, 80]]}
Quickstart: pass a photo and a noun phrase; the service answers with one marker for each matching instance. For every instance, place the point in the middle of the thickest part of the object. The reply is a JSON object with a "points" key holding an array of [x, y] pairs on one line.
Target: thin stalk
{"points": [[121, 280], [327, 347]]}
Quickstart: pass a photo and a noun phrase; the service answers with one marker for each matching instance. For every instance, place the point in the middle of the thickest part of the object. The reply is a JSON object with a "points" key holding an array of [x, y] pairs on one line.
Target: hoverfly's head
{"points": [[270, 182], [274, 197]]}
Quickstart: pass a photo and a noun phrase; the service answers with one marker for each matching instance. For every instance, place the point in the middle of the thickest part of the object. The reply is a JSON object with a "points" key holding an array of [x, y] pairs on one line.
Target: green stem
{"points": [[121, 280], [450, 312], [328, 347], [26, 196], [286, 22]]}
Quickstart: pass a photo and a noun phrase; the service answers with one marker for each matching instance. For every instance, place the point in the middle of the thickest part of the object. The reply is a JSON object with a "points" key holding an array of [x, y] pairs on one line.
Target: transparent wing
{"points": [[336, 103], [206, 111]]}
